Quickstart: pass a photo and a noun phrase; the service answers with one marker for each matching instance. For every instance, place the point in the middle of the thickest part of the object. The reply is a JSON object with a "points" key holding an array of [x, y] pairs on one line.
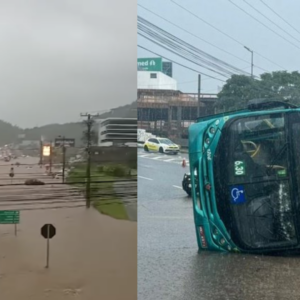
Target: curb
{"points": [[184, 150]]}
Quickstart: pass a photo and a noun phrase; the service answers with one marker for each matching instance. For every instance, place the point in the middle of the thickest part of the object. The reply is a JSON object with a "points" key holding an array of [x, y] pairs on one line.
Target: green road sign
{"points": [[150, 64], [9, 217]]}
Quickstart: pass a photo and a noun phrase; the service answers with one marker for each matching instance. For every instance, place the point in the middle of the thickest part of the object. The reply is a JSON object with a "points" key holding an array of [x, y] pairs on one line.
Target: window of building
{"points": [[153, 75]]}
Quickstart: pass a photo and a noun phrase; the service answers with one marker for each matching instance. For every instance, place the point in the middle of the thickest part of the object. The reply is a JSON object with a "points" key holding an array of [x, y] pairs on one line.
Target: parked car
{"points": [[162, 145]]}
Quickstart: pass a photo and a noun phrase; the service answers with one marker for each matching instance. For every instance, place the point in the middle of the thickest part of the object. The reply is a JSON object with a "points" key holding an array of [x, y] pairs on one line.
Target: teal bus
{"points": [[245, 178]]}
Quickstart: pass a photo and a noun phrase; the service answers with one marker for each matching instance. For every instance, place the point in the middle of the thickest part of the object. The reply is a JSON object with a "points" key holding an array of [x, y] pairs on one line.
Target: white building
{"points": [[31, 143], [155, 80], [117, 131]]}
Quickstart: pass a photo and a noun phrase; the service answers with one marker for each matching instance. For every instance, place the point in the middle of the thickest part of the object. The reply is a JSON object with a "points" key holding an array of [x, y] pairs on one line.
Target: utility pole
{"points": [[63, 147], [199, 94], [64, 160], [89, 124], [41, 152], [251, 51]]}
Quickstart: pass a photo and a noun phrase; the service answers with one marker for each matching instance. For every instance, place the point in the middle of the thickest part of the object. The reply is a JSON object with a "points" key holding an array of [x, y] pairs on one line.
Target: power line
{"points": [[182, 56], [198, 37], [224, 33], [179, 64], [78, 198], [54, 207], [266, 26], [271, 21], [67, 206], [278, 15], [180, 45], [186, 52], [69, 183]]}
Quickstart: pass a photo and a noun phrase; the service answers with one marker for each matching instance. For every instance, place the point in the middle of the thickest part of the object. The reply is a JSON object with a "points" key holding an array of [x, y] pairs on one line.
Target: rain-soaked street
{"points": [[93, 256], [169, 266]]}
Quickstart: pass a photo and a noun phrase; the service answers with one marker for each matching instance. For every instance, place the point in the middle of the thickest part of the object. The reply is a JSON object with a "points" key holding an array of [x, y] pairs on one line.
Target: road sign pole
{"points": [[48, 245], [48, 231]]}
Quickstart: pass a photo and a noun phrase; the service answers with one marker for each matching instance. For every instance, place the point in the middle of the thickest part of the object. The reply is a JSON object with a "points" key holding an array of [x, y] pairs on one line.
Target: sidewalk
{"points": [[130, 200]]}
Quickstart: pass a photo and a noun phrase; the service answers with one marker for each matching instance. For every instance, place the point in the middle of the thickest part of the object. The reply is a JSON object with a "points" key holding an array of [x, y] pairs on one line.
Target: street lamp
{"points": [[251, 59]]}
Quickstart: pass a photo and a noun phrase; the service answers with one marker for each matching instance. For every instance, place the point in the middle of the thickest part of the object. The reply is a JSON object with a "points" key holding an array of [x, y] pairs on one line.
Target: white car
{"points": [[162, 145]]}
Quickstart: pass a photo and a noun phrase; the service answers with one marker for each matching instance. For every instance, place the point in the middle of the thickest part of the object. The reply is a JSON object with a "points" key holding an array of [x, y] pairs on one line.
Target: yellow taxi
{"points": [[162, 145]]}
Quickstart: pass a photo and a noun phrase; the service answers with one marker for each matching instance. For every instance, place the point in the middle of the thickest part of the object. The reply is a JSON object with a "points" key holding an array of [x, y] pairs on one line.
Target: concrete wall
{"points": [[113, 154], [162, 82]]}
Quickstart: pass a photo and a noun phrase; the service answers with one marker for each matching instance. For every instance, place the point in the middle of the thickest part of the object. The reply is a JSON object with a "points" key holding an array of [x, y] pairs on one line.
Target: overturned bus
{"points": [[245, 178]]}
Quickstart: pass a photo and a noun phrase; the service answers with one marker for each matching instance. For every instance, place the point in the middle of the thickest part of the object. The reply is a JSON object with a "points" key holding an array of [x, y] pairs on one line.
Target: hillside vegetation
{"points": [[9, 133]]}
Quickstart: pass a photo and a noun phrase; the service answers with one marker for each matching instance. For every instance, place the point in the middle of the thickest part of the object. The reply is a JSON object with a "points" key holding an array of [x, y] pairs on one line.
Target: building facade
{"points": [[171, 112], [117, 131], [156, 81]]}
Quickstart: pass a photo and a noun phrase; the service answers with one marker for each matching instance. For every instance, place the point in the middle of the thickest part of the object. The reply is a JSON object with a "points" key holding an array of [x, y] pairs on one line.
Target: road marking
{"points": [[144, 155], [176, 160], [145, 178], [178, 187], [171, 159], [145, 166]]}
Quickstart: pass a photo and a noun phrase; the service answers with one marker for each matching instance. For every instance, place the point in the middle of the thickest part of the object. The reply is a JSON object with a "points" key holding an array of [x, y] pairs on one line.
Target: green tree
{"points": [[239, 89]]}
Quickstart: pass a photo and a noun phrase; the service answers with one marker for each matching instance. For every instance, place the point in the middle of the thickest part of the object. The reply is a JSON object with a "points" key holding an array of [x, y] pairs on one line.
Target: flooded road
{"points": [[92, 256], [169, 265]]}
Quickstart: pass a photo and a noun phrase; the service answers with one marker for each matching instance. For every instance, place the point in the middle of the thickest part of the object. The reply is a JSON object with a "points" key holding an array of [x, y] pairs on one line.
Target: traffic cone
{"points": [[183, 163]]}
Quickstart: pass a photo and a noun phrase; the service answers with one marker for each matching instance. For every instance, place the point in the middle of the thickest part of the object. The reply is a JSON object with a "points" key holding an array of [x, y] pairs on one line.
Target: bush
{"points": [[119, 171], [109, 170], [100, 169]]}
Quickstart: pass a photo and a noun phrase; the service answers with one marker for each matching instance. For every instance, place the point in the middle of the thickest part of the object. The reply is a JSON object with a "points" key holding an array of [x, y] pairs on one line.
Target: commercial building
{"points": [[162, 108], [169, 112], [155, 80], [117, 131]]}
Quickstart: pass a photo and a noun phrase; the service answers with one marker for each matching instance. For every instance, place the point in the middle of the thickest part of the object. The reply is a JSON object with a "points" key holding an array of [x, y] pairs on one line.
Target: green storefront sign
{"points": [[150, 64], [9, 217]]}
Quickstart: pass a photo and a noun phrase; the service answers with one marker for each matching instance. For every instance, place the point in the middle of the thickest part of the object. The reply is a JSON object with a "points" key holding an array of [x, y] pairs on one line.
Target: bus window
{"points": [[253, 193]]}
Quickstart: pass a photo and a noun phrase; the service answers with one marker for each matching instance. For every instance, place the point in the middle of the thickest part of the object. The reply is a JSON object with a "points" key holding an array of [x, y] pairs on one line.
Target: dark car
{"points": [[187, 185]]}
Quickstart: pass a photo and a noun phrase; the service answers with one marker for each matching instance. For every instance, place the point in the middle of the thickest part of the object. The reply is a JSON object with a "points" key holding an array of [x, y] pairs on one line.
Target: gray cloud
{"points": [[60, 58]]}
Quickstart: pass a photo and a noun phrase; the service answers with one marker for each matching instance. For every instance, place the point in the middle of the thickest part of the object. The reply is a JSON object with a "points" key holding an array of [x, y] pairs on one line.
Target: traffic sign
{"points": [[11, 174], [9, 216], [64, 142], [48, 231]]}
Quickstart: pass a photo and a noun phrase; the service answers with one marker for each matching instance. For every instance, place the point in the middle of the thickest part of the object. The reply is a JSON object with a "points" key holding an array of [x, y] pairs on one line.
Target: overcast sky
{"points": [[59, 58], [234, 22]]}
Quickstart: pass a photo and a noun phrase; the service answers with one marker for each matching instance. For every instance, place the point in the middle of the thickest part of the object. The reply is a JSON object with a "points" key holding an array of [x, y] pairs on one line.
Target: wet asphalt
{"points": [[169, 264]]}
